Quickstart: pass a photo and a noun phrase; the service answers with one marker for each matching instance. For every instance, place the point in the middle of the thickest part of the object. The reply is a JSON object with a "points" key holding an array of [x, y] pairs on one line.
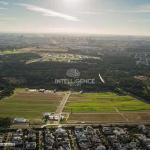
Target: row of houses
{"points": [[57, 140], [28, 139], [80, 137], [88, 138], [62, 139], [119, 138], [24, 140], [144, 138], [49, 139]]}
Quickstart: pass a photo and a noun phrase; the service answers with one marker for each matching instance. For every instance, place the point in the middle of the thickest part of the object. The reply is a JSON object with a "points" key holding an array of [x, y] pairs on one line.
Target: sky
{"points": [[110, 17]]}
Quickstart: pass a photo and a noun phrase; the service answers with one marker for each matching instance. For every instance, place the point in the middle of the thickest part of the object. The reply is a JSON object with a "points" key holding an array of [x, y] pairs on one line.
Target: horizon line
{"points": [[93, 34]]}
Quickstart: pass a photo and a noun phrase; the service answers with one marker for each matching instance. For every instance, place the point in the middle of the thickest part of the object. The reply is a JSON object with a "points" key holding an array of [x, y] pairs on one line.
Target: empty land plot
{"points": [[29, 104], [103, 102], [138, 116], [95, 117]]}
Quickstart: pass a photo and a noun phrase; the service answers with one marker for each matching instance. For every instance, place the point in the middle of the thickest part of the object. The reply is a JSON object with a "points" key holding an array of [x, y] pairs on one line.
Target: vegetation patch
{"points": [[89, 109], [133, 108], [103, 102]]}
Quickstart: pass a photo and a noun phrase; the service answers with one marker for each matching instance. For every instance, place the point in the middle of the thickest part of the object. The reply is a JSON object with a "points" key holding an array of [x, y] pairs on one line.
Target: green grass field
{"points": [[31, 105], [103, 102]]}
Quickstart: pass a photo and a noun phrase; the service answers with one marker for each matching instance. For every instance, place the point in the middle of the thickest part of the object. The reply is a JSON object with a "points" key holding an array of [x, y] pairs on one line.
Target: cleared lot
{"points": [[95, 117], [138, 116], [29, 104]]}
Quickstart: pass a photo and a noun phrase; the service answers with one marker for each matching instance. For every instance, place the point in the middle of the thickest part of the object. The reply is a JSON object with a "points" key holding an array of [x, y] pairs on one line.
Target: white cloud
{"points": [[48, 12], [5, 3]]}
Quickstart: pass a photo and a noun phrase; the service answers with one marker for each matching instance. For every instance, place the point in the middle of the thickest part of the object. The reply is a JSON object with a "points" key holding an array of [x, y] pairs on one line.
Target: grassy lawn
{"points": [[103, 102], [29, 104]]}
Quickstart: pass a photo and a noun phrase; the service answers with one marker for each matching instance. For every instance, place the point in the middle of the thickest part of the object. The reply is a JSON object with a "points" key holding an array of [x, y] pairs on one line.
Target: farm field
{"points": [[138, 116], [95, 117], [105, 106], [103, 102], [30, 105]]}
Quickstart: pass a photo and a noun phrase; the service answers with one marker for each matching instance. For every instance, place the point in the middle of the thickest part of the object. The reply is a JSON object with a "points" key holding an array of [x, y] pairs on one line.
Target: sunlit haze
{"points": [[111, 17]]}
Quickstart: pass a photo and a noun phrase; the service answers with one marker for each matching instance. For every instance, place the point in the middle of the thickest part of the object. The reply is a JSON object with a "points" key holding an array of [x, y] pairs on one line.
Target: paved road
{"points": [[59, 110], [62, 104]]}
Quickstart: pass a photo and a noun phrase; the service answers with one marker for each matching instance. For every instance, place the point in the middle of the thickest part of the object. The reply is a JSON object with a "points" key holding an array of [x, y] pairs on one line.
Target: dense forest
{"points": [[117, 71]]}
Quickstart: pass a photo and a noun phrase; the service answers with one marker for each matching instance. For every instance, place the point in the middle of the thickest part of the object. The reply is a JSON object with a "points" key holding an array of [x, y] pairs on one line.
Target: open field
{"points": [[103, 102], [105, 106], [87, 107], [138, 116], [95, 117], [30, 105]]}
